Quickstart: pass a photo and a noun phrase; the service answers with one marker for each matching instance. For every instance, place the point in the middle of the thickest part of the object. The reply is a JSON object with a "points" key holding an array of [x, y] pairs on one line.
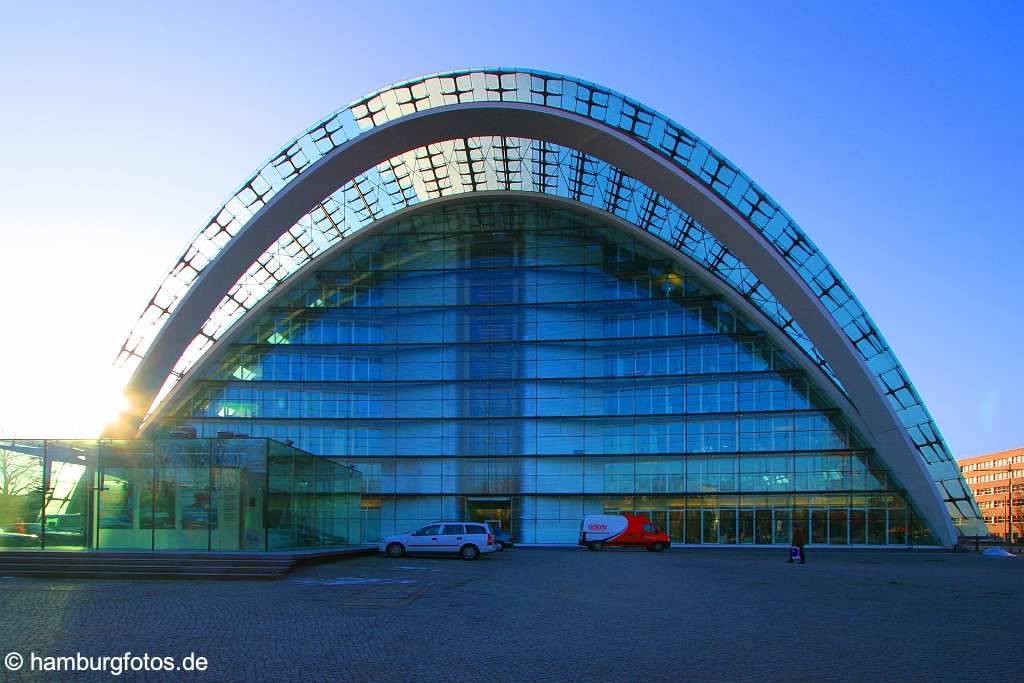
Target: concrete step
{"points": [[161, 564], [130, 566], [178, 555], [121, 565], [159, 559], [152, 571], [110, 574], [114, 566]]}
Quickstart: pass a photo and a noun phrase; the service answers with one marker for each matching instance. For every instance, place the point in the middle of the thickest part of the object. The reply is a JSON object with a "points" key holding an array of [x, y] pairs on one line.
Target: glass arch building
{"points": [[521, 297]]}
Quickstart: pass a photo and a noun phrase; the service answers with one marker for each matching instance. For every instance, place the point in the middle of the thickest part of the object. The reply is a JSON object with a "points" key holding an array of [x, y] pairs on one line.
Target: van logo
{"points": [[597, 527]]}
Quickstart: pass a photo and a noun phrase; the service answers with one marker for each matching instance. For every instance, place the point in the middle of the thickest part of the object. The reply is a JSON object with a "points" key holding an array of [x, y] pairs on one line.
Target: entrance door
{"points": [[494, 511]]}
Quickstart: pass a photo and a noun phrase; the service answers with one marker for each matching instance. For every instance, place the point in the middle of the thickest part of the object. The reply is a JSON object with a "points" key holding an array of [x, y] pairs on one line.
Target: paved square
{"points": [[554, 615]]}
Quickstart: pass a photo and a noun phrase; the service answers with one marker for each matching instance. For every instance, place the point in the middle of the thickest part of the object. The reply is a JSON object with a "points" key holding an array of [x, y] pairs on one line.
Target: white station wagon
{"points": [[468, 539]]}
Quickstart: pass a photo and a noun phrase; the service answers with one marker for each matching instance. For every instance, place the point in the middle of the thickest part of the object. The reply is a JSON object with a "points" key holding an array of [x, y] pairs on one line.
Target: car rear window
{"points": [[452, 530], [475, 529]]}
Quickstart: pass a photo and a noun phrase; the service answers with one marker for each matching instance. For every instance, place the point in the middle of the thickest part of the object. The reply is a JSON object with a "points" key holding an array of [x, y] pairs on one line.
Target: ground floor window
{"points": [[693, 520]]}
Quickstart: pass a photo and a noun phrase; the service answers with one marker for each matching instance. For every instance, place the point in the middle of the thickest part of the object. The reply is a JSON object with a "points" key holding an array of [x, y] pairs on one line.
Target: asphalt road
{"points": [[551, 615]]}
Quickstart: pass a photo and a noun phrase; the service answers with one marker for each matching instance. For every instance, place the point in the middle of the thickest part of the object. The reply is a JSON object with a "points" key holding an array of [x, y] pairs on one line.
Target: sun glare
{"points": [[80, 408]]}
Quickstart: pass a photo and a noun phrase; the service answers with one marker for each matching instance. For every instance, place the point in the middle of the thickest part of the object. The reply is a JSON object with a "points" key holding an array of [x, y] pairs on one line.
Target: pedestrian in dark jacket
{"points": [[799, 542]]}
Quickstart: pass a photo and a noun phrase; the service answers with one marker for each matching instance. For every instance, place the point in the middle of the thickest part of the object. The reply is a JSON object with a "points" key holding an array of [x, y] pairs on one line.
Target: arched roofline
{"points": [[515, 119]]}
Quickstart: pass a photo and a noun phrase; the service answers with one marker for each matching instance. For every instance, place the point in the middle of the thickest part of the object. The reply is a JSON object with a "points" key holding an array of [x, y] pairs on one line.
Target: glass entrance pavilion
{"points": [[223, 494]]}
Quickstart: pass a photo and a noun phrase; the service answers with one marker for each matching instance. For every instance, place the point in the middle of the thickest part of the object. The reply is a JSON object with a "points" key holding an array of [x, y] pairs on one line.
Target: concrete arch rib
{"points": [[572, 130]]}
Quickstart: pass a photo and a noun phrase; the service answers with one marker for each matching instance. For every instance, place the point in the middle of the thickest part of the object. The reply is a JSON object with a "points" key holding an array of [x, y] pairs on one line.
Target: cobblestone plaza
{"points": [[554, 615]]}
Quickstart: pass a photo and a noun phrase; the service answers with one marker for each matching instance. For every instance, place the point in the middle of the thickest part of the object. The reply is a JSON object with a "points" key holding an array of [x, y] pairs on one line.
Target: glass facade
{"points": [[522, 364], [222, 494], [487, 164]]}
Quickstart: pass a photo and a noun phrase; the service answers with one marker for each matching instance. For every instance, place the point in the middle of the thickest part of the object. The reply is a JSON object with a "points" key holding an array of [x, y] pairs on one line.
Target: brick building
{"points": [[997, 480]]}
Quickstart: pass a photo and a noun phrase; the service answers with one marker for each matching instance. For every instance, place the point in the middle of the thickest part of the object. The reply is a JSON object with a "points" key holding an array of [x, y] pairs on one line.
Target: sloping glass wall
{"points": [[174, 495], [522, 365]]}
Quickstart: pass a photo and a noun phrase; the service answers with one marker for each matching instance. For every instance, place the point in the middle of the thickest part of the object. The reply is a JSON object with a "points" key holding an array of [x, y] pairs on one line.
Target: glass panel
{"points": [[280, 515], [239, 482], [837, 531], [897, 526], [819, 526], [858, 527], [68, 492], [124, 522], [306, 532], [727, 532], [370, 520], [659, 518], [693, 525], [710, 526], [801, 520], [781, 526], [876, 525], [763, 528], [676, 526], [920, 534], [21, 495], [746, 525], [176, 504]]}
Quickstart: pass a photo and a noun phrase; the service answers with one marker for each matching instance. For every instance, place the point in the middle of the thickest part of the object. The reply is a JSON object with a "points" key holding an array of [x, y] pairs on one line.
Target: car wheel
{"points": [[500, 547], [469, 552], [596, 545], [396, 550], [656, 548]]}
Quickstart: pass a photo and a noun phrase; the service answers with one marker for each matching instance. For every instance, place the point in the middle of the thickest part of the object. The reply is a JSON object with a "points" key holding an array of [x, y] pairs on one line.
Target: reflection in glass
{"points": [[174, 494], [21, 495], [508, 349]]}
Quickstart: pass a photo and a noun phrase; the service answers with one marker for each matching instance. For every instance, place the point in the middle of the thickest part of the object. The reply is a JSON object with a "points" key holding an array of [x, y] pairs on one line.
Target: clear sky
{"points": [[892, 132]]}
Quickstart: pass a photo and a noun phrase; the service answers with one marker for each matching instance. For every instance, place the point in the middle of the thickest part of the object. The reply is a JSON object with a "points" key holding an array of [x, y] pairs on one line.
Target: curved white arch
{"points": [[515, 119]]}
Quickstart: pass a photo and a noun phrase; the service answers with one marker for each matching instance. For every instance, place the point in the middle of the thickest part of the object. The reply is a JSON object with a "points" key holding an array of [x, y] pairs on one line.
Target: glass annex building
{"points": [[519, 297], [222, 494]]}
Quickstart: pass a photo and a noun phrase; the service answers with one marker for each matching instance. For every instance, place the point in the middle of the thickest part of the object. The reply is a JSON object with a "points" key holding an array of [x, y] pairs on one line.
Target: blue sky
{"points": [[891, 132]]}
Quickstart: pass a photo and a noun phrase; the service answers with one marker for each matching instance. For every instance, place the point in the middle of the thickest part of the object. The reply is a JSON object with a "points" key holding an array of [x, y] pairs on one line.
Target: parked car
{"points": [[600, 531], [503, 539], [468, 539]]}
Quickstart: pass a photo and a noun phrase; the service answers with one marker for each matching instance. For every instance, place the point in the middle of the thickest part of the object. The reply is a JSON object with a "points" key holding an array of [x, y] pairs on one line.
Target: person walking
{"points": [[799, 543]]}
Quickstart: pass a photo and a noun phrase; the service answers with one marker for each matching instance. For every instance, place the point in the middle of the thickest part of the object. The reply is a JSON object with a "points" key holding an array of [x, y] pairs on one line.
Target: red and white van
{"points": [[600, 531]]}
